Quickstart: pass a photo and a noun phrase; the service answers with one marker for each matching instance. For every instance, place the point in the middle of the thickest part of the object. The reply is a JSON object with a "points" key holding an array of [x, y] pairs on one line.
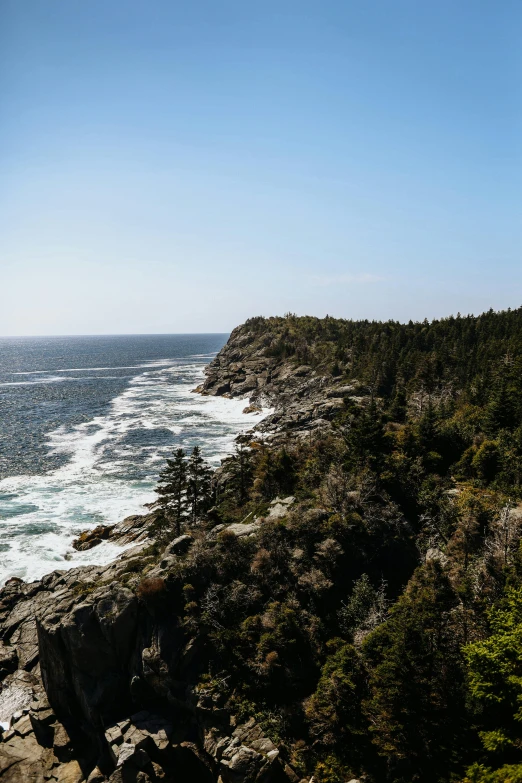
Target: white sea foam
{"points": [[152, 363], [111, 467], [47, 379]]}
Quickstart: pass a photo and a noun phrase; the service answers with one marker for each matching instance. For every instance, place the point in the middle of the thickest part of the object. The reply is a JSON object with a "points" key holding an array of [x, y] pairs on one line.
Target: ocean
{"points": [[85, 426]]}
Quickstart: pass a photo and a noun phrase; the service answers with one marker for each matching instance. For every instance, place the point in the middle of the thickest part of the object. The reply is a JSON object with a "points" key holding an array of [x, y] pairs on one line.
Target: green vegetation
{"points": [[184, 491], [376, 629]]}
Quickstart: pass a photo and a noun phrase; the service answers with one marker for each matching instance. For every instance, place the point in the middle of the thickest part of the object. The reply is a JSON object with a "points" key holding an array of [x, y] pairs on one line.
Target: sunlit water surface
{"points": [[85, 426]]}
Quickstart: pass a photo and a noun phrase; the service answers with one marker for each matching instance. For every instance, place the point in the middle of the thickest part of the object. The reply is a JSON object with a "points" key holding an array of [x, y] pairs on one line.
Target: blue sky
{"points": [[173, 166]]}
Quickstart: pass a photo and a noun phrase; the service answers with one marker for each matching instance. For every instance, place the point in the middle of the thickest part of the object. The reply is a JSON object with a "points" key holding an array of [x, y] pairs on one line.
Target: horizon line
{"points": [[107, 334], [286, 315]]}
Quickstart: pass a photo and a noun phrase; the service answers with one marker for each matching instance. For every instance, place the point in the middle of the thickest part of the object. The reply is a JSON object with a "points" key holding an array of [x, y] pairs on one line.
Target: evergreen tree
{"points": [[495, 682], [199, 484], [398, 408], [171, 489], [416, 705], [428, 429], [334, 710], [365, 608], [367, 438], [275, 474], [500, 412], [240, 469]]}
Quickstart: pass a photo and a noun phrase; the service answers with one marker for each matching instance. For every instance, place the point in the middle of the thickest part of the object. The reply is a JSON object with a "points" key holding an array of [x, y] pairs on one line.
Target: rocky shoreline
{"points": [[97, 679], [305, 399]]}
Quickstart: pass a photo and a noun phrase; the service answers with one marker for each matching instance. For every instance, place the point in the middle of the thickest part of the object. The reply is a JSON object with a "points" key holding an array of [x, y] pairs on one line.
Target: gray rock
{"points": [[246, 756], [85, 648], [124, 753], [340, 391], [23, 726], [23, 760], [304, 401], [279, 507], [62, 745], [179, 546], [239, 529], [17, 693]]}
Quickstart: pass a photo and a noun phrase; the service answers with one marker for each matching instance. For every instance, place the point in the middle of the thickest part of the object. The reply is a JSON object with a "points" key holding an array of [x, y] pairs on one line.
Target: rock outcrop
{"points": [[304, 399], [98, 683], [99, 679], [135, 529]]}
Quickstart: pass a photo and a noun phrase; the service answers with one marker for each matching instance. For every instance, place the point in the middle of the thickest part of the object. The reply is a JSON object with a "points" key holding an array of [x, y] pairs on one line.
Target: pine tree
{"points": [[241, 470], [416, 701], [428, 429], [399, 408], [367, 437], [199, 484], [500, 409], [496, 688], [172, 489]]}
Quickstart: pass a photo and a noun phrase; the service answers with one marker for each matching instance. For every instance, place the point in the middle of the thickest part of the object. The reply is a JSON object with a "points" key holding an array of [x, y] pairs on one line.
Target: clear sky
{"points": [[181, 165]]}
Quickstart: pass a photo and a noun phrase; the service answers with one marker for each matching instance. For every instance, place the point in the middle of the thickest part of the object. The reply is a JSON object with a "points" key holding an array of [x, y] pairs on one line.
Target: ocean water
{"points": [[85, 426]]}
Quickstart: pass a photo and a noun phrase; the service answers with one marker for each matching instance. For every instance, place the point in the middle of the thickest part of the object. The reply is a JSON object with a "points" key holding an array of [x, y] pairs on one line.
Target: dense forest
{"points": [[375, 627]]}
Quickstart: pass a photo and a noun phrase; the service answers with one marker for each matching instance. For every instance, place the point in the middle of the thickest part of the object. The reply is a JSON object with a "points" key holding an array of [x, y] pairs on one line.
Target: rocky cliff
{"points": [[99, 681], [305, 397], [100, 677], [295, 629]]}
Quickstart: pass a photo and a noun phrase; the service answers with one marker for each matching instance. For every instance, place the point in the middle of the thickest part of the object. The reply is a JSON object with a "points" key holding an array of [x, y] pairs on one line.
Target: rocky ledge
{"points": [[99, 680], [133, 530], [304, 399]]}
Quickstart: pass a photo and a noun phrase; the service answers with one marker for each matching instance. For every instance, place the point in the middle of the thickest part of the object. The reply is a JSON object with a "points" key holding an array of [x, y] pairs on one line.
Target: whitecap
{"points": [[50, 379], [106, 478]]}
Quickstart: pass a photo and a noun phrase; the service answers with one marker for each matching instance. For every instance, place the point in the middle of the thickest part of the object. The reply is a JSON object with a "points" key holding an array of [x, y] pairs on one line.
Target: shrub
{"points": [[151, 590]]}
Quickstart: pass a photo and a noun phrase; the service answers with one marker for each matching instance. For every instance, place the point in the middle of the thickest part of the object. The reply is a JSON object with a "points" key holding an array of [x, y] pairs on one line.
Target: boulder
{"points": [[43, 721], [96, 776], [247, 755], [91, 538], [340, 391], [144, 731], [179, 546], [85, 648], [62, 745], [18, 691], [23, 760], [69, 773], [219, 389], [252, 409], [239, 529], [279, 507]]}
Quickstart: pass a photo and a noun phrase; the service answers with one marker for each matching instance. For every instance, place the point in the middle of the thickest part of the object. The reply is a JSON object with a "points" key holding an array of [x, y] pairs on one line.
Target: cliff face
{"points": [[305, 398], [285, 635], [100, 680], [98, 683]]}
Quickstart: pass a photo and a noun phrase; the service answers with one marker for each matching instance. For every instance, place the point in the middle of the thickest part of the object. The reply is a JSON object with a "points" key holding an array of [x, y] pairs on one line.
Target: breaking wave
{"points": [[110, 464]]}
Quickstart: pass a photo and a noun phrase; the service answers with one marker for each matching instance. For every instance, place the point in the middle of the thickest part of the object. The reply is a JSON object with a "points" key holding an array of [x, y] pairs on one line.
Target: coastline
{"points": [[86, 491]]}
